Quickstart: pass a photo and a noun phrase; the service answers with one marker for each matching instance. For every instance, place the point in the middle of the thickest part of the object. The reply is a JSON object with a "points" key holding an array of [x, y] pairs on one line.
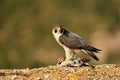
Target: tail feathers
{"points": [[93, 55], [93, 49]]}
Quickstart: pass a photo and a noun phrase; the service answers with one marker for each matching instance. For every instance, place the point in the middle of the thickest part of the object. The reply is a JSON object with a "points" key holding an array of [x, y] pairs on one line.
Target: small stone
{"points": [[47, 75], [38, 78], [14, 77]]}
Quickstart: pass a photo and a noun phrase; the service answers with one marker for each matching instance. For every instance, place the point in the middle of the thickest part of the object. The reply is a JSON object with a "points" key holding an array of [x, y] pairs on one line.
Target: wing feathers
{"points": [[92, 55], [90, 48]]}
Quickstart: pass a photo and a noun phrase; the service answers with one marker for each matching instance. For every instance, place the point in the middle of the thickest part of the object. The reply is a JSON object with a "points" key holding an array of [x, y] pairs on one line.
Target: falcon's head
{"points": [[58, 29]]}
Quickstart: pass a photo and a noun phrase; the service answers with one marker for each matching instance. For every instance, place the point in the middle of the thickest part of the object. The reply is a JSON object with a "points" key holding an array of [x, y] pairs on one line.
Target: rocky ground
{"points": [[98, 72]]}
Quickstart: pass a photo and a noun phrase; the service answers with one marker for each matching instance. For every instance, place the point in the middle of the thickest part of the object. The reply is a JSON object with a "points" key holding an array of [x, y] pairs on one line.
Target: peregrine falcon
{"points": [[71, 42]]}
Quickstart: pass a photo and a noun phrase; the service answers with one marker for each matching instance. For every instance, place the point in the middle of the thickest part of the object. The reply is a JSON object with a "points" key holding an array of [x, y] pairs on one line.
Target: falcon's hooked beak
{"points": [[58, 29]]}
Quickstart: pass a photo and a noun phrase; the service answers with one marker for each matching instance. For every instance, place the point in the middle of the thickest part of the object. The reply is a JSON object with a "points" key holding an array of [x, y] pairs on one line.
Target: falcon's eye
{"points": [[55, 31], [61, 31]]}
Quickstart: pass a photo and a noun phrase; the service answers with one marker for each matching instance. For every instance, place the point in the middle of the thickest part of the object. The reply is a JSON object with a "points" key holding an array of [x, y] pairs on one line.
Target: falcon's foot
{"points": [[74, 62]]}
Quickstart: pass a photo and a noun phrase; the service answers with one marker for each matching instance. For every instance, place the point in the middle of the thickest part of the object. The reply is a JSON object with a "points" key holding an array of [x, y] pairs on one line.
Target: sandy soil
{"points": [[98, 72]]}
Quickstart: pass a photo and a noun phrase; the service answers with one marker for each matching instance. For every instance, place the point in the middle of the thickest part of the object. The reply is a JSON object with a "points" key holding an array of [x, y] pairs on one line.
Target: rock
{"points": [[98, 72]]}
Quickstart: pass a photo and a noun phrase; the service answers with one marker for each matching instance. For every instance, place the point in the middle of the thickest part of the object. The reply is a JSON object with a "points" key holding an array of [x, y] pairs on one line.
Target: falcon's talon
{"points": [[60, 60], [85, 59]]}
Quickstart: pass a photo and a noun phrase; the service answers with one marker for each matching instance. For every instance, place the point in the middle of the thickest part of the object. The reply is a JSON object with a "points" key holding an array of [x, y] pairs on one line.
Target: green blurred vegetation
{"points": [[25, 28]]}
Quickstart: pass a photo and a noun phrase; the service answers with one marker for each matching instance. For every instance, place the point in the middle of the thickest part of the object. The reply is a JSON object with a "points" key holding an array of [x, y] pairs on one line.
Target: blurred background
{"points": [[26, 40]]}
